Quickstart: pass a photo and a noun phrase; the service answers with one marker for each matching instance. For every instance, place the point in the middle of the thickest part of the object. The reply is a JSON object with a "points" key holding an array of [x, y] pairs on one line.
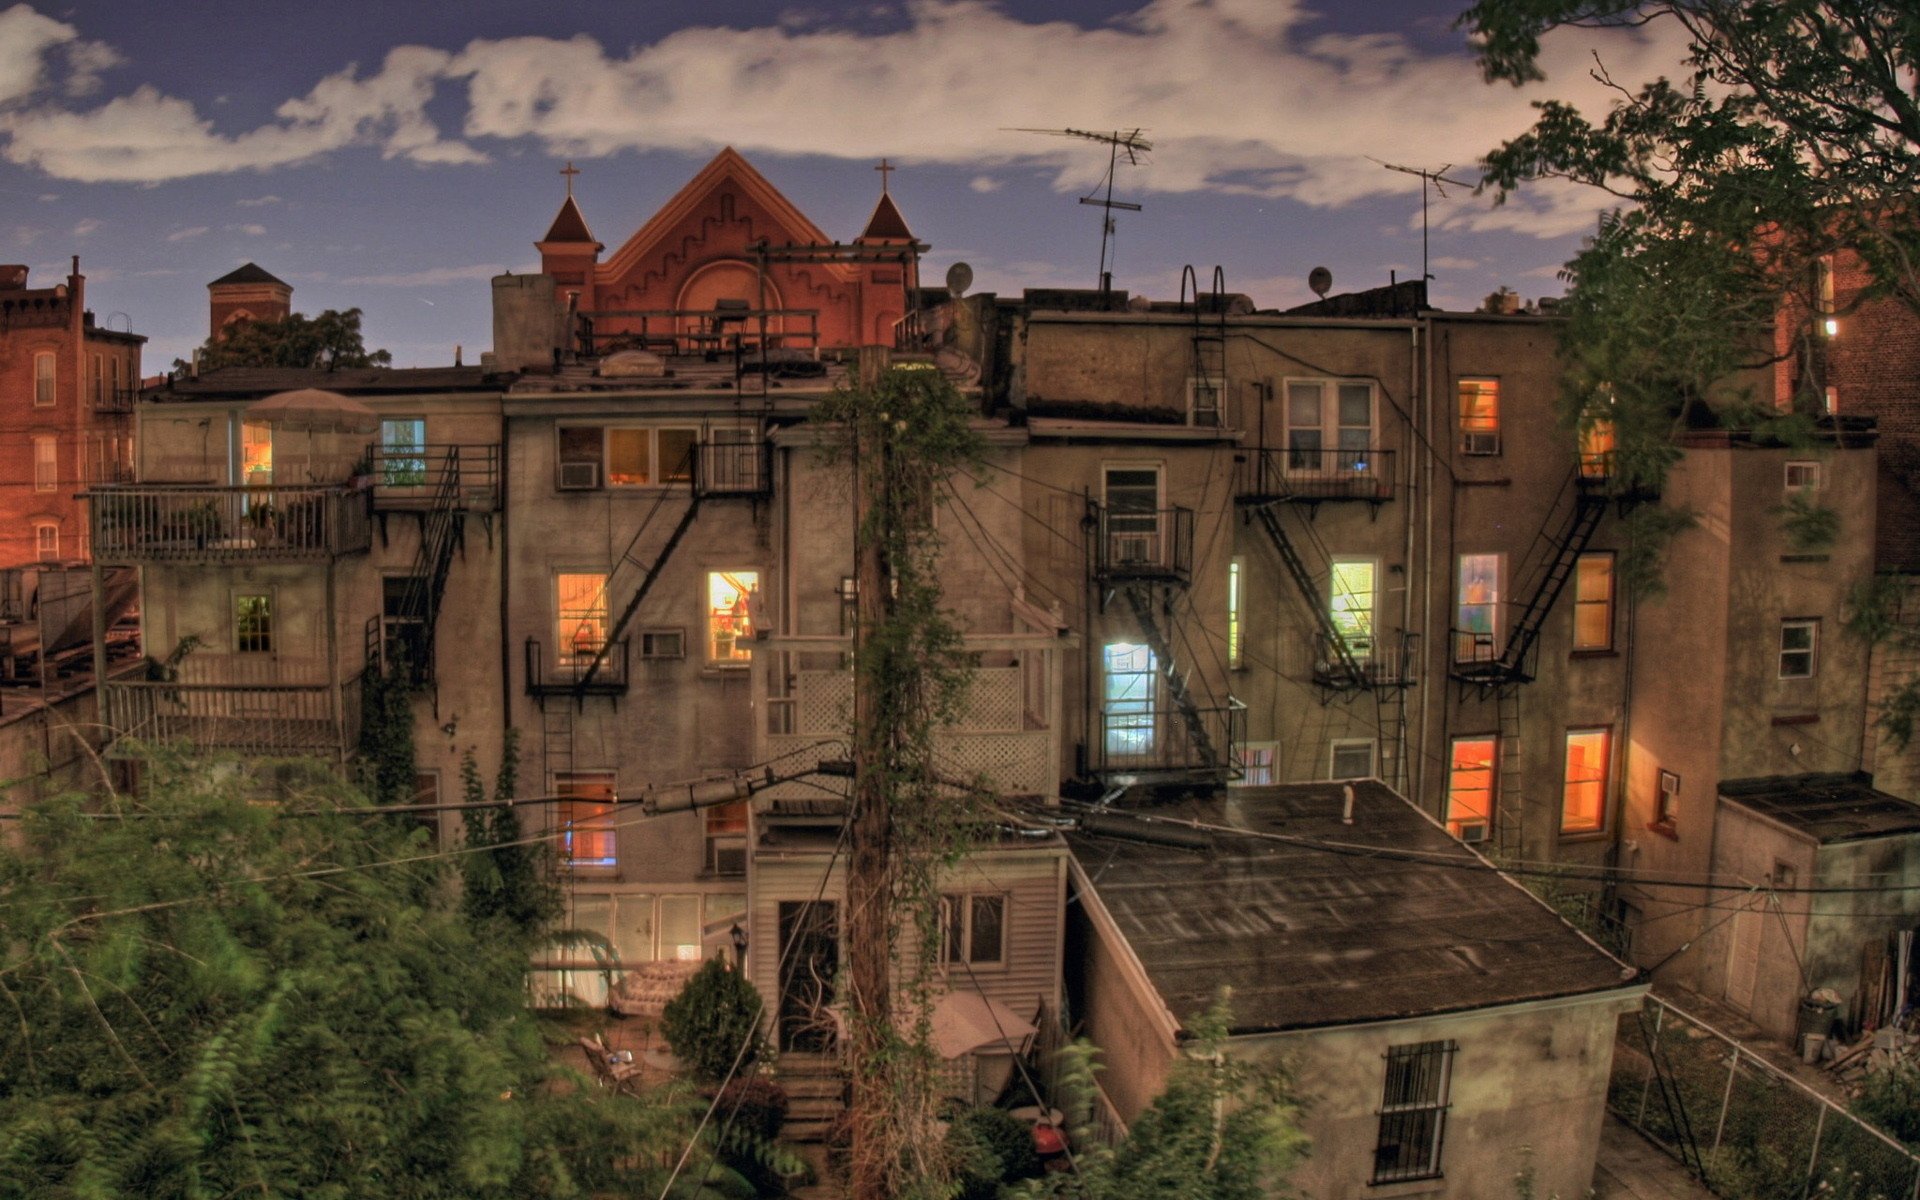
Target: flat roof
{"points": [[1827, 807], [1308, 936], [251, 382]]}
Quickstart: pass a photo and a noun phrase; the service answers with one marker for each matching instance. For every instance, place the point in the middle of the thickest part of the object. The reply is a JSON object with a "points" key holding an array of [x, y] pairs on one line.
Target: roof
{"points": [[252, 382], [250, 273], [1827, 808], [1309, 937], [886, 224], [568, 224]]}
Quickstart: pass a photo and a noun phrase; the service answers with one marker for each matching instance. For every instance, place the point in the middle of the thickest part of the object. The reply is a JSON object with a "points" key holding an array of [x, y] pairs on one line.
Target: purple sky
{"points": [[395, 156]]}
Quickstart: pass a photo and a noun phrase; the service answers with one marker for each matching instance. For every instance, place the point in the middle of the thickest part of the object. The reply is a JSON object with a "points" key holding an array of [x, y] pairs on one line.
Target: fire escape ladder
{"points": [[649, 569], [556, 736], [1207, 398], [1390, 716], [1349, 666], [1568, 544], [1510, 783], [440, 533], [1175, 681]]}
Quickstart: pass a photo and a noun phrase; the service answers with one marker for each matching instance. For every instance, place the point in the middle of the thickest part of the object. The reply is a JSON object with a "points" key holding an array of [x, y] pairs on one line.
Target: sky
{"points": [[394, 157]]}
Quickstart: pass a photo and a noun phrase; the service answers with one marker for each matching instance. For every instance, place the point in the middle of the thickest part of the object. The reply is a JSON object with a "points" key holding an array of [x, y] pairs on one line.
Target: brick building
{"points": [[66, 399], [246, 293]]}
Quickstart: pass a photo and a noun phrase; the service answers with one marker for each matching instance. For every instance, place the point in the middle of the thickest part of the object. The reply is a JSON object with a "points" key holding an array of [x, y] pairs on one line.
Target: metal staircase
{"points": [[442, 531], [1174, 681], [1348, 668]]}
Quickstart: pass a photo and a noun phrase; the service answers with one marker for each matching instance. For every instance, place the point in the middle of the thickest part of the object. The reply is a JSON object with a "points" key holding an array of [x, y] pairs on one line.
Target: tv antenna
{"points": [[1437, 180], [1118, 142]]}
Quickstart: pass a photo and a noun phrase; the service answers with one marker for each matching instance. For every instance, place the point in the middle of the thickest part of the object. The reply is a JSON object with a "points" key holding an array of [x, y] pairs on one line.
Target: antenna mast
{"points": [[1436, 178], [1118, 142]]}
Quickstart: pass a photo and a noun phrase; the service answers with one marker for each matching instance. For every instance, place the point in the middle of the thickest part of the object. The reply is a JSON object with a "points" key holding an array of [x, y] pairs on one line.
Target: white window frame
{"points": [[1811, 650], [46, 378], [1334, 748], [45, 548], [1152, 529], [1205, 416], [1362, 649], [46, 462], [961, 904], [1330, 457], [1809, 472], [1256, 761]]}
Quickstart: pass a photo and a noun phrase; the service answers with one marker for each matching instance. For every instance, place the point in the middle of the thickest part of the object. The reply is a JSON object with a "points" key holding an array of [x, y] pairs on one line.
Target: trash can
{"points": [[1817, 1015]]}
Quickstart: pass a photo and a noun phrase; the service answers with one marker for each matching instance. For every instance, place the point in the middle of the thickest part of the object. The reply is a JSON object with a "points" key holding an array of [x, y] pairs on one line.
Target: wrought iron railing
{"points": [[252, 718], [1151, 738], [567, 674], [1383, 660], [1316, 474], [197, 523], [1143, 543], [734, 468], [410, 477]]}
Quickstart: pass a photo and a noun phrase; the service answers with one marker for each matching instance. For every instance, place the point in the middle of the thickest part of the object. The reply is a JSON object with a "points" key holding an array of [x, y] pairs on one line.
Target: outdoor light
{"points": [[739, 938]]}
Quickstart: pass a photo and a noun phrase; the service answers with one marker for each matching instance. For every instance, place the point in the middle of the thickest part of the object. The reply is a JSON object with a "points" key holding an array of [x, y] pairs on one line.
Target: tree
{"points": [[326, 342], [208, 998]]}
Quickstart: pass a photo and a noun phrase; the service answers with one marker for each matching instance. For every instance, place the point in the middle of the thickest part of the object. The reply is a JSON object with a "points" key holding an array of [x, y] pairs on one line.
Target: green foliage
{"points": [[326, 342], [507, 885], [217, 1001], [1650, 530], [386, 734], [714, 1016], [1890, 1099], [1898, 712], [1222, 1130], [1871, 610], [988, 1147], [1809, 525]]}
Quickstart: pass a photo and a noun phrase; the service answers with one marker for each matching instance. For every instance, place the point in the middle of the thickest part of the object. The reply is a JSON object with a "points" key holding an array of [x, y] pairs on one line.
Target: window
{"points": [[1351, 759], [1256, 766], [46, 463], [1207, 401], [1470, 788], [1583, 798], [675, 448], [1133, 515], [43, 379], [1803, 477], [1799, 648], [256, 454], [403, 623], [1329, 426], [730, 599], [46, 542], [581, 603], [638, 457], [1823, 295], [253, 624], [727, 839], [1127, 714], [1233, 616], [1351, 583], [1666, 802], [1596, 448], [973, 928], [1593, 601], [1479, 416], [1477, 615], [1413, 1112], [581, 448], [99, 381], [585, 818], [663, 643], [403, 451]]}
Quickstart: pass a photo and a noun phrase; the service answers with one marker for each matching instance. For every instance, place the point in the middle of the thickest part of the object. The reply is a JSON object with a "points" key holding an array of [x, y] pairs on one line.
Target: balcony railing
{"points": [[1303, 474], [734, 468], [409, 477], [1143, 544], [247, 718], [194, 523], [566, 675], [1161, 739], [1383, 659], [116, 400]]}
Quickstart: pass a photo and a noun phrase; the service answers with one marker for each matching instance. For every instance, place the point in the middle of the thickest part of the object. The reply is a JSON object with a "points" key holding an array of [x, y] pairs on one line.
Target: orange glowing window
{"points": [[1584, 793], [585, 818], [1596, 449], [1470, 788], [729, 621]]}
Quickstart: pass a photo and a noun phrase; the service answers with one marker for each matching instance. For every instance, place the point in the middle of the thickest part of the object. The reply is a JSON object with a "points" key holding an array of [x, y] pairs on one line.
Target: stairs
{"points": [[816, 1090], [1564, 545], [1302, 578], [1174, 681], [556, 735], [1510, 782]]}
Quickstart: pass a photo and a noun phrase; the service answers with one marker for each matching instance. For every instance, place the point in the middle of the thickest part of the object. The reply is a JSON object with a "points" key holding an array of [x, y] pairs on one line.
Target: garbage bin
{"points": [[1817, 1015]]}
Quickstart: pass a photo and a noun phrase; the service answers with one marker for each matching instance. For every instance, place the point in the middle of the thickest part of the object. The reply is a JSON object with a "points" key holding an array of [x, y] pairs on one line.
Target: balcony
{"points": [[1142, 545], [733, 469], [1161, 739], [566, 674], [1384, 660], [212, 710], [1315, 475], [410, 478], [191, 523]]}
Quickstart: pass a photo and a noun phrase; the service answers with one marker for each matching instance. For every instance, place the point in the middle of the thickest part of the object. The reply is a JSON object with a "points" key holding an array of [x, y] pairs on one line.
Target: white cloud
{"points": [[257, 201], [49, 197], [31, 45], [187, 234], [85, 226], [984, 183], [251, 230], [431, 277]]}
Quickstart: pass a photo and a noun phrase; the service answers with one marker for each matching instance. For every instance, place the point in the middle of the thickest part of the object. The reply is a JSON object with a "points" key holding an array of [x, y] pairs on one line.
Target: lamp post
{"points": [[739, 939]]}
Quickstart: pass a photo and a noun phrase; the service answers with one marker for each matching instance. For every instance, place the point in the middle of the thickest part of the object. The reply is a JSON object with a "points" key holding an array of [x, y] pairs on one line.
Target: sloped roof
{"points": [[250, 273], [568, 224], [886, 224], [1308, 936]]}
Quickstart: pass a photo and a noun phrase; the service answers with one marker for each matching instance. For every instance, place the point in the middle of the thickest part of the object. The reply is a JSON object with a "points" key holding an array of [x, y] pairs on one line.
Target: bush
{"points": [[1890, 1099], [714, 1015], [759, 1106], [988, 1147]]}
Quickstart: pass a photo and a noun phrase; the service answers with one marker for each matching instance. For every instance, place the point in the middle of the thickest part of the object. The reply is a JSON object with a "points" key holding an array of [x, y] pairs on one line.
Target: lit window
{"points": [[253, 624], [1351, 759], [973, 928], [585, 818], [1803, 477], [1799, 648], [629, 457], [1351, 585], [1329, 426], [1256, 766], [1470, 788], [46, 542], [1413, 1112], [1479, 416], [1593, 601], [730, 597], [403, 449], [46, 464], [256, 453], [582, 609], [1596, 448], [1477, 616], [43, 378], [1584, 797], [1233, 615], [1823, 295]]}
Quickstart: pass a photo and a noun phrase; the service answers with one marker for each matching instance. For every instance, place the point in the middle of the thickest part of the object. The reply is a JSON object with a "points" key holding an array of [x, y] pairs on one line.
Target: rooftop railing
{"points": [[195, 523]]}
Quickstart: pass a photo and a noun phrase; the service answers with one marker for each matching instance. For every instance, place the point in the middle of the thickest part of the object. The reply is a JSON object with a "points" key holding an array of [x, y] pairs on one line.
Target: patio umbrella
{"points": [[964, 1022], [315, 411]]}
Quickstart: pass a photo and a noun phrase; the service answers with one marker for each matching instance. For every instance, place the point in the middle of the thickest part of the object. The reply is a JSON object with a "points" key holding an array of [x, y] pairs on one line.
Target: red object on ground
{"points": [[1047, 1140]]}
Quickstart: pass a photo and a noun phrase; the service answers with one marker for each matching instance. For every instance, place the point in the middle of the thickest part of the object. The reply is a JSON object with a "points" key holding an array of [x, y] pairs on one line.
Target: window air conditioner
{"points": [[1480, 443], [1473, 832], [579, 476]]}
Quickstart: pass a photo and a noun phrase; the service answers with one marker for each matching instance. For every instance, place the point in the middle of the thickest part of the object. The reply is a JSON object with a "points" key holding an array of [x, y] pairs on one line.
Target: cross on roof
{"points": [[570, 171], [885, 168]]}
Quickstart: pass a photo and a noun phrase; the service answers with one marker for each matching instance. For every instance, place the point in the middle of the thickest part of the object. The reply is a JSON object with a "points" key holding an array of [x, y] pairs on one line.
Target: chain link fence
{"points": [[1750, 1130]]}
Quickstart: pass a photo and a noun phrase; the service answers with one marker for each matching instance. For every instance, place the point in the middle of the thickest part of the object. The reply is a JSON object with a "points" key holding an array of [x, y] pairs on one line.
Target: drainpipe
{"points": [[1437, 649]]}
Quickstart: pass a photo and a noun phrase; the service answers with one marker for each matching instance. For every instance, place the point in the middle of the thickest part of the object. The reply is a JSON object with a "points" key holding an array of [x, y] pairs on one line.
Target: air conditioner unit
{"points": [[1473, 832], [1480, 443], [579, 476]]}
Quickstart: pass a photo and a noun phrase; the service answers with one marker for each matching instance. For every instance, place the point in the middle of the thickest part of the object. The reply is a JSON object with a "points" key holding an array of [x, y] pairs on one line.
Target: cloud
{"points": [[49, 197], [187, 234], [984, 183], [430, 277], [85, 226], [257, 201], [251, 230], [33, 47]]}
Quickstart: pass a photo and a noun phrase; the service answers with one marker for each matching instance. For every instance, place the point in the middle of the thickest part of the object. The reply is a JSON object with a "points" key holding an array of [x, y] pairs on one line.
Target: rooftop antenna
{"points": [[1118, 142], [1437, 179]]}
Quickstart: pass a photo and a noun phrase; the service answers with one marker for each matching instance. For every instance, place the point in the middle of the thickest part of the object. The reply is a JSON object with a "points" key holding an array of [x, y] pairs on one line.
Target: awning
{"points": [[315, 411], [970, 1023]]}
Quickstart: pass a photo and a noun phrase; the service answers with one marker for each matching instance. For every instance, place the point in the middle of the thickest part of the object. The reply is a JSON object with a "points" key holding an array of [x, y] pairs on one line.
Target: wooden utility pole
{"points": [[869, 850]]}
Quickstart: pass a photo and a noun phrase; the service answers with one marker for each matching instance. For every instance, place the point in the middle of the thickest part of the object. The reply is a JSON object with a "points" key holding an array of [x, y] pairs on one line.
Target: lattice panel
{"points": [[1016, 763], [822, 702], [805, 753], [993, 700]]}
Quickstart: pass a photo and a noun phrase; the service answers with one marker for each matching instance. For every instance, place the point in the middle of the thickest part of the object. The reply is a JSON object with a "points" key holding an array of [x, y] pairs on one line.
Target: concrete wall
{"points": [[1771, 940], [1843, 925]]}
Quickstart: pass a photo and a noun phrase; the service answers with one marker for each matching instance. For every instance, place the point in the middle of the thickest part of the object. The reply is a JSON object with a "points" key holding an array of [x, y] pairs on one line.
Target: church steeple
{"points": [[569, 251], [886, 224]]}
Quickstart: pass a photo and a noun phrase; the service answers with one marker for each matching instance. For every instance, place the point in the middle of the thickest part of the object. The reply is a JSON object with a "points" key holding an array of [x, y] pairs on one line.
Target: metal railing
{"points": [[689, 331], [115, 399], [1316, 474], [410, 477], [254, 718], [733, 468], [567, 673], [1162, 738], [1384, 660], [197, 523], [1143, 543], [1759, 1133]]}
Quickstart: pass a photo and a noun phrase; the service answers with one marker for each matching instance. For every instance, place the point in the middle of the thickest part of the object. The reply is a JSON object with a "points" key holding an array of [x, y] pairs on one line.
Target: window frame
{"points": [[46, 462], [1811, 650], [1236, 629], [1666, 802], [40, 541], [655, 470], [1465, 651], [960, 938], [710, 617], [1328, 429], [1427, 1066], [262, 634], [568, 649], [46, 378], [597, 819], [1606, 603], [403, 463], [1479, 433], [724, 828], [1456, 824], [1217, 386], [1602, 785], [1336, 745], [1810, 466], [1360, 645], [1254, 758]]}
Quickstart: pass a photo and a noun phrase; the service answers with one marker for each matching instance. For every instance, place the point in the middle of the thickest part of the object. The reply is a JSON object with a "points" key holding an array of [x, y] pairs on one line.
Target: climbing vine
{"points": [[507, 883]]}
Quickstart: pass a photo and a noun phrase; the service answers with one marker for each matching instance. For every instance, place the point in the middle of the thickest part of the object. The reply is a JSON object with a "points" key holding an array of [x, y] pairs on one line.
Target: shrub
{"points": [[988, 1147], [1890, 1098], [714, 1015]]}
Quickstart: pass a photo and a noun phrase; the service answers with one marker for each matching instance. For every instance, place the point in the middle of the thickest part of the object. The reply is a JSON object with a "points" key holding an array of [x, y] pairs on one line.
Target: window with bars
{"points": [[1413, 1112], [253, 624]]}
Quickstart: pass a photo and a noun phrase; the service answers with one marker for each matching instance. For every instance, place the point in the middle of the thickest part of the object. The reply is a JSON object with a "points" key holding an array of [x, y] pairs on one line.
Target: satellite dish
{"points": [[959, 279], [1320, 279]]}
